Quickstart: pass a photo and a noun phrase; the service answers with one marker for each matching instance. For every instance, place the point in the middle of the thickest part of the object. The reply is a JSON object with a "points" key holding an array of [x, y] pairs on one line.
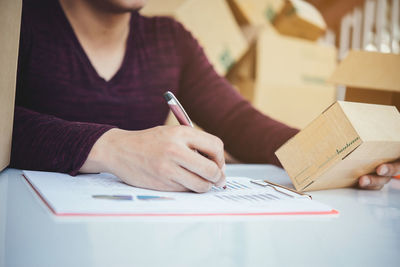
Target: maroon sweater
{"points": [[63, 106]]}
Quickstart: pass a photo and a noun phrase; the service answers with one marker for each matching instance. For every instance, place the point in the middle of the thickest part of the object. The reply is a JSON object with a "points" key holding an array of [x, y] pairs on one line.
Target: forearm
{"points": [[44, 142]]}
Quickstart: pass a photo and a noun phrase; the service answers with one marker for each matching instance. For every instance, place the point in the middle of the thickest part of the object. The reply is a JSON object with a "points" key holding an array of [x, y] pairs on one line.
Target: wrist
{"points": [[99, 157]]}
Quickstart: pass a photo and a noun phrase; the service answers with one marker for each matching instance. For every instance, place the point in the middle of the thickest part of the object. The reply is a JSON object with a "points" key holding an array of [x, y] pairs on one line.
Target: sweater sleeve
{"points": [[44, 142], [215, 106]]}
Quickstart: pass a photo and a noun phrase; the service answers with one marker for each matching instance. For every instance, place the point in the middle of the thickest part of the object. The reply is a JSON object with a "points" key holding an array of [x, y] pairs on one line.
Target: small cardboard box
{"points": [[10, 21], [291, 78], [346, 141], [256, 12], [300, 19], [211, 22], [370, 77]]}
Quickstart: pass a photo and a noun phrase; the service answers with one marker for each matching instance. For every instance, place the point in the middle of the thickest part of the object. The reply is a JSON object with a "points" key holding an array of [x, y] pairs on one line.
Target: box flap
{"points": [[369, 70], [258, 12], [309, 13], [300, 19], [373, 122]]}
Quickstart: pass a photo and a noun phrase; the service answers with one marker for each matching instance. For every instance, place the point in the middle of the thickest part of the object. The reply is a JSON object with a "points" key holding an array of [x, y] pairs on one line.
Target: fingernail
{"points": [[383, 170], [365, 181]]}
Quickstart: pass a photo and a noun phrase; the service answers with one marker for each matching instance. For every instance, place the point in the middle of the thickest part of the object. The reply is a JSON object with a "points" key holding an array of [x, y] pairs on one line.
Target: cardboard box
{"points": [[291, 78], [256, 12], [10, 20], [300, 19], [211, 22], [370, 77], [346, 141]]}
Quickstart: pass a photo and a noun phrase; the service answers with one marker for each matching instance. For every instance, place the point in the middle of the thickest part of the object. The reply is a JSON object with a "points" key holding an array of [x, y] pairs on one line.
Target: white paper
{"points": [[68, 195]]}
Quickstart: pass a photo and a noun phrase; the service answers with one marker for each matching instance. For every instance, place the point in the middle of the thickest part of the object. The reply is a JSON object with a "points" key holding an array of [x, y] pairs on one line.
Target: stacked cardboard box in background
{"points": [[292, 75], [10, 20], [284, 76]]}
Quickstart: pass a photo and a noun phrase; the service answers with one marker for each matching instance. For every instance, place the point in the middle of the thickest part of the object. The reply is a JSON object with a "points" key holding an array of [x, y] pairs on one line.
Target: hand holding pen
{"points": [[162, 158]]}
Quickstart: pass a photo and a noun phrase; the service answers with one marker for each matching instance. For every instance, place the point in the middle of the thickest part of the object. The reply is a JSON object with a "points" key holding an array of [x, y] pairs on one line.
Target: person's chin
{"points": [[121, 6], [130, 5]]}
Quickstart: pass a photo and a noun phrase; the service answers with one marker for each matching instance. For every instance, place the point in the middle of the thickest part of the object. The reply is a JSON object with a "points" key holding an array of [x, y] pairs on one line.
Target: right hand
{"points": [[161, 158]]}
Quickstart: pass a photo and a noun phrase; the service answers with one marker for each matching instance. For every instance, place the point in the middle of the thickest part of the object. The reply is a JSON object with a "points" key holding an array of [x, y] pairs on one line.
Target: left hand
{"points": [[384, 173]]}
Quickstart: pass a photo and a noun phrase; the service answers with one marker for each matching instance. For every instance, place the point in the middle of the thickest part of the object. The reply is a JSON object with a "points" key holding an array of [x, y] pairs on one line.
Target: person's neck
{"points": [[103, 34], [99, 28]]}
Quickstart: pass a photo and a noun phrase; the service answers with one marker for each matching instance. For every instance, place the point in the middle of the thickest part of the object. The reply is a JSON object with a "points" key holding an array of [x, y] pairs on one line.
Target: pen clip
{"points": [[172, 100], [279, 188]]}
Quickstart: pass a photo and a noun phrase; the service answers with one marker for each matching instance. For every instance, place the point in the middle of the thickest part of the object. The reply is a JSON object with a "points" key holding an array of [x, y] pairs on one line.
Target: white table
{"points": [[366, 233]]}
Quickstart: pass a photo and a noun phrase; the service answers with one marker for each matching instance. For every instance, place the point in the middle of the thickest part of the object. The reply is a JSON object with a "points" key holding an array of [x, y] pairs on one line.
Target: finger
{"points": [[373, 187], [373, 181], [221, 182], [155, 184], [172, 186], [200, 165], [209, 144], [191, 181], [389, 169]]}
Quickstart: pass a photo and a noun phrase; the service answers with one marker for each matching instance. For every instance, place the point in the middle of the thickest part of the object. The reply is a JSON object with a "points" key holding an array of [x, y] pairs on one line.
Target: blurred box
{"points": [[370, 77], [346, 141], [243, 74], [256, 12], [300, 19], [213, 25], [10, 21], [291, 78]]}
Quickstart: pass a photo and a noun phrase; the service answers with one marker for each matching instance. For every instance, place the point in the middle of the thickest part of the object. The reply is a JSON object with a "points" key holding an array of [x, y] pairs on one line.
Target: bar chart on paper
{"points": [[104, 194]]}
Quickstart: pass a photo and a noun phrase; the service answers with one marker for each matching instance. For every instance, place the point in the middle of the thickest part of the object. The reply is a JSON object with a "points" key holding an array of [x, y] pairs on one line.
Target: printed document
{"points": [[105, 194]]}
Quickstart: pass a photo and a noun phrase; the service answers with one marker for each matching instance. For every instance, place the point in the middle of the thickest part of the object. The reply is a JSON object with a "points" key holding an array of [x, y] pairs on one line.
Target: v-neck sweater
{"points": [[63, 106]]}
